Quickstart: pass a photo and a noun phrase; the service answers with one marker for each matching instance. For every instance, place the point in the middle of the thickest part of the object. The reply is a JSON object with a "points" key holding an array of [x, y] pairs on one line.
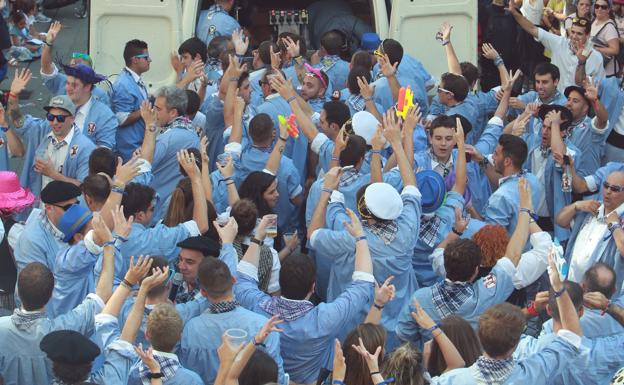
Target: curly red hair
{"points": [[492, 240]]}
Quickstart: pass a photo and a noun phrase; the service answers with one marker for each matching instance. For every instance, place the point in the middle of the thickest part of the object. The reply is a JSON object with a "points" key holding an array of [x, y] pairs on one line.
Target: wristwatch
{"points": [[155, 375]]}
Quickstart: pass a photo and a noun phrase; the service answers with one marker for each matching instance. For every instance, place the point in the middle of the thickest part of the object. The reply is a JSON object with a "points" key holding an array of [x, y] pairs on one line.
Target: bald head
{"points": [[601, 278]]}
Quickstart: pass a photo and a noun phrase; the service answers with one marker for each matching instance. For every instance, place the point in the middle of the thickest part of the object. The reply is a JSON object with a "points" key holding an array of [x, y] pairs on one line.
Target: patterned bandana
{"points": [[185, 296], [169, 365], [492, 372], [348, 177], [545, 151], [356, 102], [385, 230], [328, 61], [222, 307], [179, 122], [287, 309], [449, 296], [58, 144], [48, 226], [24, 321], [429, 227]]}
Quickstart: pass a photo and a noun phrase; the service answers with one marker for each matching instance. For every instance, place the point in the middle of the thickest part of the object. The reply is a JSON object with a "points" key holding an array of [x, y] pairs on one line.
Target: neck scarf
{"points": [[356, 102], [545, 151], [429, 227], [449, 296], [169, 365], [385, 230], [23, 320], [328, 61], [492, 372], [348, 177], [222, 307], [180, 122], [287, 309]]}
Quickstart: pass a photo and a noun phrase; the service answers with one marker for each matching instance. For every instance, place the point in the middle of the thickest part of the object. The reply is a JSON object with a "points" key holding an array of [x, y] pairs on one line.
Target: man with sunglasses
{"points": [[55, 81], [56, 150], [568, 53], [597, 234], [129, 92]]}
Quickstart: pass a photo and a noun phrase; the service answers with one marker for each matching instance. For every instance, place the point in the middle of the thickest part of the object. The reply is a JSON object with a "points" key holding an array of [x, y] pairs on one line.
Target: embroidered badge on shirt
{"points": [[212, 30], [60, 169], [91, 128], [74, 151], [489, 281]]}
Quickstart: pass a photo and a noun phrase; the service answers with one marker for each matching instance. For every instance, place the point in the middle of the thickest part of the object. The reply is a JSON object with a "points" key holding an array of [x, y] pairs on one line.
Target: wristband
{"points": [[337, 382], [233, 78], [256, 241], [581, 63], [458, 233], [11, 94], [498, 61], [120, 238], [532, 310], [560, 293], [335, 158], [378, 307], [284, 139], [229, 182], [445, 42], [327, 190], [386, 381], [155, 375], [433, 328], [373, 373], [290, 99], [368, 99], [109, 243], [4, 129], [531, 214], [227, 178], [126, 284], [360, 238], [256, 343], [376, 152], [118, 190]]}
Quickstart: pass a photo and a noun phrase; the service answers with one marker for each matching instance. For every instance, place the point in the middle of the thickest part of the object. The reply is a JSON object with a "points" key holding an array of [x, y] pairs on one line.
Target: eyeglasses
{"points": [[143, 56], [598, 6], [65, 207], [60, 118], [444, 90], [612, 187]]}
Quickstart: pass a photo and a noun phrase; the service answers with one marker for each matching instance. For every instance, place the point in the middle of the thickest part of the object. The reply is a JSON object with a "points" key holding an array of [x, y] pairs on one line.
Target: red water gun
{"points": [[291, 125]]}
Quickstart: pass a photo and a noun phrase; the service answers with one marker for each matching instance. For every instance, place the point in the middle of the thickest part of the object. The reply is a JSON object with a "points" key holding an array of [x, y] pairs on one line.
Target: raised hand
{"points": [[147, 356], [20, 80], [391, 128], [461, 222], [366, 90], [332, 178], [148, 114], [239, 106], [240, 41], [187, 161], [227, 233], [595, 300], [276, 60], [341, 140], [511, 79], [203, 149], [53, 31], [126, 172], [355, 227], [176, 63], [340, 367], [458, 135], [591, 89], [292, 48], [157, 278], [445, 30], [227, 169], [553, 272], [386, 292], [101, 232], [387, 69], [137, 271], [525, 194], [269, 326], [489, 52], [412, 118], [283, 87], [554, 117], [378, 141], [122, 226], [421, 317], [372, 360]]}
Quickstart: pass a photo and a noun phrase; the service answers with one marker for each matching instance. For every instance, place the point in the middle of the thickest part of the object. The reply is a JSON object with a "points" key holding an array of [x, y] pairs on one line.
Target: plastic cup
{"points": [[223, 158], [237, 337], [271, 229]]}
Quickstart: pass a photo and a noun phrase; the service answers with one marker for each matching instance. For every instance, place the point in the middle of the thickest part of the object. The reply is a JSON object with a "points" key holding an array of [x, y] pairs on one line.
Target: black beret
{"points": [[57, 191], [207, 246], [69, 347]]}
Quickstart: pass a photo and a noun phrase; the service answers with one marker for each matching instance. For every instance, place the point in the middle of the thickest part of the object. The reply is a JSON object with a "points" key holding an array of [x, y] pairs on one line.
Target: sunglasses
{"points": [[143, 56], [65, 207], [612, 187], [579, 21], [598, 6], [60, 118]]}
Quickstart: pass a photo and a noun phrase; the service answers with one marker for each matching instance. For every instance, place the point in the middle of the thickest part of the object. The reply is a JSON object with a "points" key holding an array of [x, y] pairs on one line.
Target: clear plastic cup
{"points": [[237, 337], [271, 229]]}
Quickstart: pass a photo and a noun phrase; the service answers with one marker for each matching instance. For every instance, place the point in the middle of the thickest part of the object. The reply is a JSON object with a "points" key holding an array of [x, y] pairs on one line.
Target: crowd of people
{"points": [[321, 217]]}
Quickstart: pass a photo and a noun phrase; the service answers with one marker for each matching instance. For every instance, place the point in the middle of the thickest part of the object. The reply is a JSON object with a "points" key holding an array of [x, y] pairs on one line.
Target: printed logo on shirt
{"points": [[199, 131], [212, 30], [489, 281], [91, 128], [73, 151]]}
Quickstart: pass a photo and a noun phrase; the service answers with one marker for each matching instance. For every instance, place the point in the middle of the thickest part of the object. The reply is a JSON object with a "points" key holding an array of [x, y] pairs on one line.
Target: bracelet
{"points": [[368, 99], [126, 284], [378, 152], [256, 241], [4, 129], [560, 293], [581, 63], [378, 307], [327, 190], [335, 158], [233, 78], [498, 61], [433, 328], [338, 382], [386, 381], [11, 94], [229, 182], [227, 178], [532, 310], [531, 213], [458, 233], [360, 238], [109, 243], [120, 238], [606, 308], [445, 42], [290, 99], [284, 139], [373, 373], [256, 343], [48, 44], [118, 190]]}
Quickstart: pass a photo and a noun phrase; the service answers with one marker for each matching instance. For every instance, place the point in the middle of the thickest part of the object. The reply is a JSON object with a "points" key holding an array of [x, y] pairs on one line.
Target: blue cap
{"points": [[73, 220], [433, 190], [370, 41]]}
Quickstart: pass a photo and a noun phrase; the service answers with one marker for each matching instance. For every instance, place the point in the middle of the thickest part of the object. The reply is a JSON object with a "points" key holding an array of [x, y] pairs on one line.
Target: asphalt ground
{"points": [[73, 37]]}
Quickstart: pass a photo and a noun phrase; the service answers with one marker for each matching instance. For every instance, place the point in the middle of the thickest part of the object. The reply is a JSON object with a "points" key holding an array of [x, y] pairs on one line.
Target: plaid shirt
{"points": [[429, 227], [492, 372], [385, 230], [449, 296], [356, 102], [169, 365]]}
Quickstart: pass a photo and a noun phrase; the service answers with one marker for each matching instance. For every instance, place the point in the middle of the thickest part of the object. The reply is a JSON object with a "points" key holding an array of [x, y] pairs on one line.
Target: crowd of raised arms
{"points": [[319, 216]]}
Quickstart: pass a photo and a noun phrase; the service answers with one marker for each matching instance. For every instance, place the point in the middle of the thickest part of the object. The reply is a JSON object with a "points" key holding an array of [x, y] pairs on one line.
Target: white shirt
{"points": [[531, 266], [619, 124], [57, 156], [81, 114], [439, 167], [539, 170], [566, 60], [532, 10], [588, 238]]}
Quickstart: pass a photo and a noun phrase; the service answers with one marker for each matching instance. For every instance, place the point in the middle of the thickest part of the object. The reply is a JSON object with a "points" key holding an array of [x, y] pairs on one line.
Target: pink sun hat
{"points": [[13, 197]]}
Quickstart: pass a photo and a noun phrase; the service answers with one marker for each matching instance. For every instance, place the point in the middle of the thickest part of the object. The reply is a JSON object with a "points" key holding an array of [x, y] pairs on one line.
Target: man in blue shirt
{"points": [[332, 45], [216, 21], [129, 92]]}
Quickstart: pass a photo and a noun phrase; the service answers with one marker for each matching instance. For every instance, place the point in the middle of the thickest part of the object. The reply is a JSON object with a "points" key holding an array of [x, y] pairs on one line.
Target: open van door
{"points": [[162, 24], [415, 23]]}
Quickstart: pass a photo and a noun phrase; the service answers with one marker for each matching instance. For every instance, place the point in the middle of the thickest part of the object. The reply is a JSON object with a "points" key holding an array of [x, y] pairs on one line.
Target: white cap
{"points": [[365, 125], [383, 201]]}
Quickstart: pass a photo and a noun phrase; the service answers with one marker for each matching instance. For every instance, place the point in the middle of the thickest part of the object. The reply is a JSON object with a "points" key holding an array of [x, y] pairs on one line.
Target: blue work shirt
{"points": [[215, 21], [40, 241], [337, 70], [128, 95]]}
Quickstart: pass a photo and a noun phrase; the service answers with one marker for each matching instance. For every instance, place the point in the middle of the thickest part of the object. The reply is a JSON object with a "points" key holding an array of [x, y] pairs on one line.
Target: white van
{"points": [[164, 24]]}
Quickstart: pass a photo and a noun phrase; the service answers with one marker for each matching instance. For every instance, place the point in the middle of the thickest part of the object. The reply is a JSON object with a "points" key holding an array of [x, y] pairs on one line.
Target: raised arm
{"points": [[286, 91], [591, 93], [236, 136], [275, 157], [568, 314], [451, 57], [377, 143], [134, 274], [597, 300], [227, 171], [522, 21], [452, 357], [135, 317], [19, 83], [489, 52], [565, 216], [123, 176], [389, 72], [200, 209], [194, 72], [231, 76], [14, 143], [330, 183], [103, 237], [205, 170], [503, 105], [392, 133], [460, 168], [367, 91], [47, 67], [521, 233], [383, 294], [409, 125], [557, 146], [148, 114]]}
